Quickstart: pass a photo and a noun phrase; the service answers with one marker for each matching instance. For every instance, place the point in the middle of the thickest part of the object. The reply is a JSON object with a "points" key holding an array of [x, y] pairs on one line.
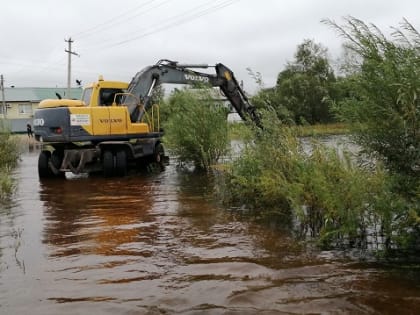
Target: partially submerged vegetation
{"points": [[9, 154], [331, 196], [322, 194], [195, 127], [320, 130], [334, 197], [383, 108]]}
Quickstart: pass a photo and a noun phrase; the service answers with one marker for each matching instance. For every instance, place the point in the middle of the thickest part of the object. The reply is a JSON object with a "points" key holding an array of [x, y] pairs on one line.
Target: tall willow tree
{"points": [[385, 104], [384, 108]]}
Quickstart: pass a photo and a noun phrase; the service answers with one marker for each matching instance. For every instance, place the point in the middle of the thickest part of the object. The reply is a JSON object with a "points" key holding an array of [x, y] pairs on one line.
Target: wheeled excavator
{"points": [[107, 128]]}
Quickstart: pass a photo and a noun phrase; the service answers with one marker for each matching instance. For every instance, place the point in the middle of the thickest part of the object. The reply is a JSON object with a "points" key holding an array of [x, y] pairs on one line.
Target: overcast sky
{"points": [[119, 38]]}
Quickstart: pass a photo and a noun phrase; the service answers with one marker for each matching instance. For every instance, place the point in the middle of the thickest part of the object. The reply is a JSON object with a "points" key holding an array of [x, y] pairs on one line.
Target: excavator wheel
{"points": [[159, 154], [44, 170], [108, 163], [120, 163], [56, 160], [159, 157]]}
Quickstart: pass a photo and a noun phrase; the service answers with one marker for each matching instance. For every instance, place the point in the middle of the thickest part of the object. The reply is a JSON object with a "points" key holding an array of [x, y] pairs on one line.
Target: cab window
{"points": [[106, 96], [87, 93]]}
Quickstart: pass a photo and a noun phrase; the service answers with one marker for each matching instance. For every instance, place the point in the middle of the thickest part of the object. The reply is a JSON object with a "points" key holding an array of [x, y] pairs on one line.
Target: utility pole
{"points": [[70, 52], [2, 96]]}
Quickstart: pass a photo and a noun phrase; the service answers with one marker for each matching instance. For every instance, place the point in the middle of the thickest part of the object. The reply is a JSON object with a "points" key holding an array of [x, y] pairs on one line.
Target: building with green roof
{"points": [[20, 104]]}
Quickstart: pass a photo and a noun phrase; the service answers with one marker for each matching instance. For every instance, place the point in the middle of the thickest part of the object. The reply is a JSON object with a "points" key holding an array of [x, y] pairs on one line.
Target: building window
{"points": [[4, 109], [25, 109]]}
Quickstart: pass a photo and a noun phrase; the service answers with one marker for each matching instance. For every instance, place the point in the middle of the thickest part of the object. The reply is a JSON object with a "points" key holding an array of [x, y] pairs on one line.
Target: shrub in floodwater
{"points": [[6, 184], [384, 105], [9, 154], [196, 127], [334, 199], [331, 198], [383, 108], [259, 177]]}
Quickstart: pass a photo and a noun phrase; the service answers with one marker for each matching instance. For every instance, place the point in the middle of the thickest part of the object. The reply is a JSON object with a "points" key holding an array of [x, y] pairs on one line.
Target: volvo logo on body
{"points": [[195, 77]]}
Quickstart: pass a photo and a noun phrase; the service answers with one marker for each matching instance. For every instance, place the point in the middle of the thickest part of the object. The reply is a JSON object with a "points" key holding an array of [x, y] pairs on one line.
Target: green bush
{"points": [[384, 106], [7, 184], [9, 154], [333, 198], [258, 177], [195, 127], [323, 191]]}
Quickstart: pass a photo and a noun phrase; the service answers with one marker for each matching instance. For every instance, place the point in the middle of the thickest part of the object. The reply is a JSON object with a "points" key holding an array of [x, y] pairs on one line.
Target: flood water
{"points": [[160, 244]]}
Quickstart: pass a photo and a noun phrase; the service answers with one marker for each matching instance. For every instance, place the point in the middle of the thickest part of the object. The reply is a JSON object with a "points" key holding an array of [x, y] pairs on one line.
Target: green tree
{"points": [[305, 87], [269, 98], [384, 110], [273, 98], [384, 106]]}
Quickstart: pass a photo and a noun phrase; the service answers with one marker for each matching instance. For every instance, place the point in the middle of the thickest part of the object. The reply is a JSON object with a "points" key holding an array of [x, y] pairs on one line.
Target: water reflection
{"points": [[160, 244], [97, 215]]}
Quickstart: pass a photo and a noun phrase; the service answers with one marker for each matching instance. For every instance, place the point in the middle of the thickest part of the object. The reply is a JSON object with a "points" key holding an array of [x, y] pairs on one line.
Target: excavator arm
{"points": [[166, 71]]}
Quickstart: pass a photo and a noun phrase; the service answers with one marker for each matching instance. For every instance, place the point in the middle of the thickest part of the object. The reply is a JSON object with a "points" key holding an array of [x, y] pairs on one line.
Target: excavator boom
{"points": [[166, 71]]}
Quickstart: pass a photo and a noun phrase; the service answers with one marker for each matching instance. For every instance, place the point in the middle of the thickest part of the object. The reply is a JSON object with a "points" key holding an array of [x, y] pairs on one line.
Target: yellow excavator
{"points": [[106, 129]]}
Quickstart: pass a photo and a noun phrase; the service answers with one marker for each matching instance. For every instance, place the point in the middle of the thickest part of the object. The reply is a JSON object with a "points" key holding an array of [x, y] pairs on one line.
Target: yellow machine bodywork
{"points": [[51, 103], [97, 112], [105, 120]]}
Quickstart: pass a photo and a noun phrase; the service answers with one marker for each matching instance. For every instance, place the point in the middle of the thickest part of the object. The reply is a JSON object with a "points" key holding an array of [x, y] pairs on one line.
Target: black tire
{"points": [[159, 154], [56, 160], [44, 170], [121, 163], [159, 157], [108, 163]]}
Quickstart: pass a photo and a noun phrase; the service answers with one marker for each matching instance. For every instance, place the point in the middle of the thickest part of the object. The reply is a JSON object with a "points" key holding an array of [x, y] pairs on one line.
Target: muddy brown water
{"points": [[160, 244]]}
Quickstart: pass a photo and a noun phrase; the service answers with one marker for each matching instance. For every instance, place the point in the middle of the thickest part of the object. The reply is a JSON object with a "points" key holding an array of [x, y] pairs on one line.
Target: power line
{"points": [[169, 19], [99, 28], [177, 21], [116, 19]]}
